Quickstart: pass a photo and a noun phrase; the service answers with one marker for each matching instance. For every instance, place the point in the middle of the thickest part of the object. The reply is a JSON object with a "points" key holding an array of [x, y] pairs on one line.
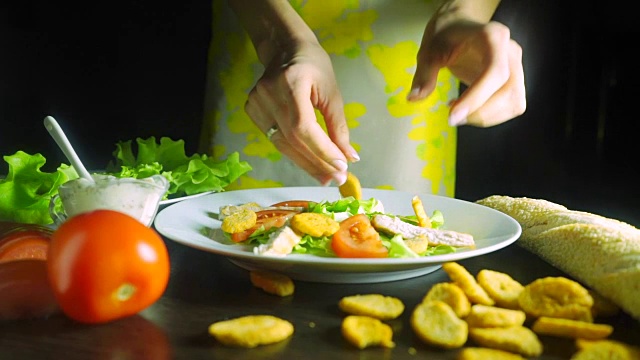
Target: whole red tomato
{"points": [[104, 265]]}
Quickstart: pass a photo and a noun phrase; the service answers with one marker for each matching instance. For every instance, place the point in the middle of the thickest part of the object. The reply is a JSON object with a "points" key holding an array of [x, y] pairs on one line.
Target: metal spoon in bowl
{"points": [[61, 139]]}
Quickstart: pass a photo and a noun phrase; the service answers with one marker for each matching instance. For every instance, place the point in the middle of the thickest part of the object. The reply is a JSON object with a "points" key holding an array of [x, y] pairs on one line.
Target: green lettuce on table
{"points": [[26, 191]]}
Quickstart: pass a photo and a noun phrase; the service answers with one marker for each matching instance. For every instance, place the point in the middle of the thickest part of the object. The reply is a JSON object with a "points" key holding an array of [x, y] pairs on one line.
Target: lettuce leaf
{"points": [[187, 175], [345, 207], [440, 250], [398, 248], [26, 192], [437, 219], [320, 246]]}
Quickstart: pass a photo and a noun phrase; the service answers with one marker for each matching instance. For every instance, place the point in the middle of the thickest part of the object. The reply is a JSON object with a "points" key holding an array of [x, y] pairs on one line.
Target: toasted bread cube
{"points": [[515, 339], [251, 331], [491, 316], [459, 275], [272, 283], [374, 305], [477, 353], [557, 297], [502, 288], [451, 294], [571, 328], [365, 331], [435, 323]]}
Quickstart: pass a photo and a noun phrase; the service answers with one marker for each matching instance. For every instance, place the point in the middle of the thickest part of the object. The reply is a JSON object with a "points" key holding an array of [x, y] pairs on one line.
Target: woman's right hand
{"points": [[298, 79]]}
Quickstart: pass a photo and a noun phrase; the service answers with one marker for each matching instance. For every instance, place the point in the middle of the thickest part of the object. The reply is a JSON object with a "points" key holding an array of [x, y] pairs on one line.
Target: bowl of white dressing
{"points": [[138, 198]]}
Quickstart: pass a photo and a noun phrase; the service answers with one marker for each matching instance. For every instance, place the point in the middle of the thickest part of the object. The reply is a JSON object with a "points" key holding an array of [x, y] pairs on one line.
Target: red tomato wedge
{"points": [[357, 238], [267, 219], [293, 203]]}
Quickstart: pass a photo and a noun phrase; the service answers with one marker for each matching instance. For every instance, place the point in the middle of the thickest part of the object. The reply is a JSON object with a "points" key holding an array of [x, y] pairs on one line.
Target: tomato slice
{"points": [[357, 238], [25, 242], [274, 214], [293, 203], [21, 249], [267, 219], [26, 292]]}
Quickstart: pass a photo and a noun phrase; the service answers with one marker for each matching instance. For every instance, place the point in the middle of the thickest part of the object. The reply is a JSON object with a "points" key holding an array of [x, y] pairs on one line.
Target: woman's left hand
{"points": [[485, 58]]}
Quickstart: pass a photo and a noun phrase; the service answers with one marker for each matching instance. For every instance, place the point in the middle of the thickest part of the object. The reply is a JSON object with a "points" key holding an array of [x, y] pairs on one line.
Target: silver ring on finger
{"points": [[272, 130]]}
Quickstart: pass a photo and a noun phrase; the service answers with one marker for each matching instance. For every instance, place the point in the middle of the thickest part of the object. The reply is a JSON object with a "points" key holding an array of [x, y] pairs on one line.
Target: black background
{"points": [[577, 142], [107, 71], [125, 69]]}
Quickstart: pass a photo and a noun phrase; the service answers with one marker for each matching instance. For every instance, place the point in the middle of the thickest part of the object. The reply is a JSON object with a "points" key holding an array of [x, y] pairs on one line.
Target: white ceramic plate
{"points": [[182, 198], [194, 223]]}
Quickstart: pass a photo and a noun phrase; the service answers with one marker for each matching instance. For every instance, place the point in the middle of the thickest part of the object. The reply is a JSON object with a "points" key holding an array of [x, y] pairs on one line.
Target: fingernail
{"points": [[458, 117], [413, 94], [340, 165], [339, 178], [354, 155]]}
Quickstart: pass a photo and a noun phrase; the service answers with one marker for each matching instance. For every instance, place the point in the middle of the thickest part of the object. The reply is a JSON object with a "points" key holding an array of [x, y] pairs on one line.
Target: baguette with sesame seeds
{"points": [[602, 253]]}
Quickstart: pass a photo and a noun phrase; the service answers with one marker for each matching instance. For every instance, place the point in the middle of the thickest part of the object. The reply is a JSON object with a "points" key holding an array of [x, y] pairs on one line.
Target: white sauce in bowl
{"points": [[138, 198]]}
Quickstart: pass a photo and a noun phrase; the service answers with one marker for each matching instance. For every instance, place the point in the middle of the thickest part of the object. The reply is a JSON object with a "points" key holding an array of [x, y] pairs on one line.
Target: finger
{"points": [[337, 128], [308, 138], [283, 145], [425, 78], [299, 136], [261, 106], [509, 101], [490, 80]]}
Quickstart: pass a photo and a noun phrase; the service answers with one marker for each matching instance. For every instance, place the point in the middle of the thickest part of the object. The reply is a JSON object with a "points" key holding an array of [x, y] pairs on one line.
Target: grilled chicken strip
{"points": [[281, 243], [393, 226]]}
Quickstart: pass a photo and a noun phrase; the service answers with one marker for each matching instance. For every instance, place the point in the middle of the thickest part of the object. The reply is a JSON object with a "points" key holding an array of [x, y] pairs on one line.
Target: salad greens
{"points": [[347, 207], [187, 175], [26, 191]]}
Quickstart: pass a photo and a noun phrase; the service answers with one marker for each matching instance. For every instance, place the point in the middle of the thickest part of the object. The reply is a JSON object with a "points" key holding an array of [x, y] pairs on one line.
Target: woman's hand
{"points": [[298, 80], [484, 57]]}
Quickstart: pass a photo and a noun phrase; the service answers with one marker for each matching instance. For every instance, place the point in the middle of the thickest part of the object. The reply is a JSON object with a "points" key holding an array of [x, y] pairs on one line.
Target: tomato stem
{"points": [[125, 292]]}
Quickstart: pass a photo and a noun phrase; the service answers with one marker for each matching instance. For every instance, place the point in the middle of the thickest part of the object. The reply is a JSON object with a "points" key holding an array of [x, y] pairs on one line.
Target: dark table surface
{"points": [[206, 287]]}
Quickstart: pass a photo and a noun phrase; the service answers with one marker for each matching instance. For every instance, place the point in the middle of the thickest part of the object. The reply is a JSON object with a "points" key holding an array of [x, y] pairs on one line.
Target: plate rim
{"points": [[185, 197]]}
